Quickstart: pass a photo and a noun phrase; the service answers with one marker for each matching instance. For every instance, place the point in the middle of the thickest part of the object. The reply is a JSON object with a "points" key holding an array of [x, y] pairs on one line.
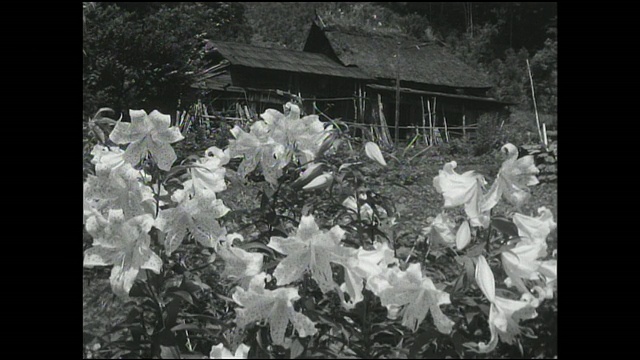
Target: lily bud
{"points": [[320, 182], [463, 236], [372, 150], [310, 173]]}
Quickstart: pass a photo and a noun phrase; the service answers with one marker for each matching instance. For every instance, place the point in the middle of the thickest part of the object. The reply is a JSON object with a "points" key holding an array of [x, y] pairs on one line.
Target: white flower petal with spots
{"points": [[275, 307], [221, 352], [123, 244], [197, 216], [310, 249], [239, 263], [147, 134], [415, 292], [275, 141]]}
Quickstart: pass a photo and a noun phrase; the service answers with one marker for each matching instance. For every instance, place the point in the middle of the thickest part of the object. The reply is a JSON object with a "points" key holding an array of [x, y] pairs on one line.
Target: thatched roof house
{"points": [[248, 72], [420, 63], [352, 76], [431, 81]]}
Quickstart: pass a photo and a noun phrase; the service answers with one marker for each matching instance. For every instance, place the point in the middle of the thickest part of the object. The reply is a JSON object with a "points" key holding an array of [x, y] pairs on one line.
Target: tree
{"points": [[142, 56]]}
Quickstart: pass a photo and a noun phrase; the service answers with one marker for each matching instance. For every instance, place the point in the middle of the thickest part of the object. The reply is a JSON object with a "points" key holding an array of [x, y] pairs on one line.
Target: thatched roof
{"points": [[428, 63], [286, 60]]}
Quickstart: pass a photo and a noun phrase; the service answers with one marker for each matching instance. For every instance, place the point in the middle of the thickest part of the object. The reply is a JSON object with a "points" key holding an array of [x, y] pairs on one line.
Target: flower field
{"points": [[298, 241]]}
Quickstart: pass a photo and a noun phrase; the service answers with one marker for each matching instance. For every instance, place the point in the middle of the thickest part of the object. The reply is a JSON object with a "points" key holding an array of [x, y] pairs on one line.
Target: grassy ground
{"points": [[409, 184]]}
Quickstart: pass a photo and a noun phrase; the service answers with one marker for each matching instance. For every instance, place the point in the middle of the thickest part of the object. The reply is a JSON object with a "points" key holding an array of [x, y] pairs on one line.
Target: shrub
{"points": [[488, 136]]}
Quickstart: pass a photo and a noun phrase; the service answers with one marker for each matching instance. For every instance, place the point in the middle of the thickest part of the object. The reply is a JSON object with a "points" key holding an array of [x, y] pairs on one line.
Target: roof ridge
{"points": [[254, 45]]}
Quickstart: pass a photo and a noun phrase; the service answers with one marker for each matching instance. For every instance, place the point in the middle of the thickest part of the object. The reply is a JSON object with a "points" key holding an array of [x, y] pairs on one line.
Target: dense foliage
{"points": [[143, 54]]}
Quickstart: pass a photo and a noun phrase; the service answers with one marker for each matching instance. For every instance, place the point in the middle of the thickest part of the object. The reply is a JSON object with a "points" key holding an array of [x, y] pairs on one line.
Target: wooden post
{"points": [[535, 107]]}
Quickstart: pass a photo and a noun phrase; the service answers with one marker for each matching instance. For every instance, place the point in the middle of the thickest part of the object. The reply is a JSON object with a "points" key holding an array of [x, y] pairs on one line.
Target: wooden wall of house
{"points": [[457, 112]]}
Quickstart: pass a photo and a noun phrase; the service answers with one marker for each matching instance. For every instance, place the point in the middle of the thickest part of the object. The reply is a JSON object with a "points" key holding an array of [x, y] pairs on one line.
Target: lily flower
{"points": [[361, 266], [221, 352], [463, 189], [123, 244], [239, 263], [441, 230], [321, 182], [208, 172], [310, 249], [117, 185], [366, 212], [415, 292], [520, 263], [197, 216], [534, 230], [372, 151], [463, 236], [148, 134], [275, 307], [504, 314], [514, 176], [277, 140], [258, 148]]}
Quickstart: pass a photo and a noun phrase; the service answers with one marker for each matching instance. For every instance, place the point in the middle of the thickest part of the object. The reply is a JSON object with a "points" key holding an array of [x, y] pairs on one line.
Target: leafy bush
{"points": [[521, 129], [144, 53], [488, 136]]}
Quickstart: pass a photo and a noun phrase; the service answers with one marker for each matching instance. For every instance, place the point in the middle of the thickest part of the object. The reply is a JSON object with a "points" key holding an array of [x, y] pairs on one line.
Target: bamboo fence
{"points": [[377, 130]]}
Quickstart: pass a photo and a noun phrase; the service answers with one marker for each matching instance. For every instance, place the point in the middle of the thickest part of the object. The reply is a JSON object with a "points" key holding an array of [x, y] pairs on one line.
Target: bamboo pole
{"points": [[535, 107], [464, 120], [544, 133], [451, 128], [446, 131], [430, 122], [397, 133], [435, 115], [424, 122]]}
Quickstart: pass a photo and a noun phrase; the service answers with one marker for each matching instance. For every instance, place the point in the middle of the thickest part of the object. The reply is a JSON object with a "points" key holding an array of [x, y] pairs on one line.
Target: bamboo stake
{"points": [[435, 115], [464, 120], [544, 133], [383, 122], [535, 107], [397, 133], [424, 124], [446, 131], [430, 122], [355, 110]]}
